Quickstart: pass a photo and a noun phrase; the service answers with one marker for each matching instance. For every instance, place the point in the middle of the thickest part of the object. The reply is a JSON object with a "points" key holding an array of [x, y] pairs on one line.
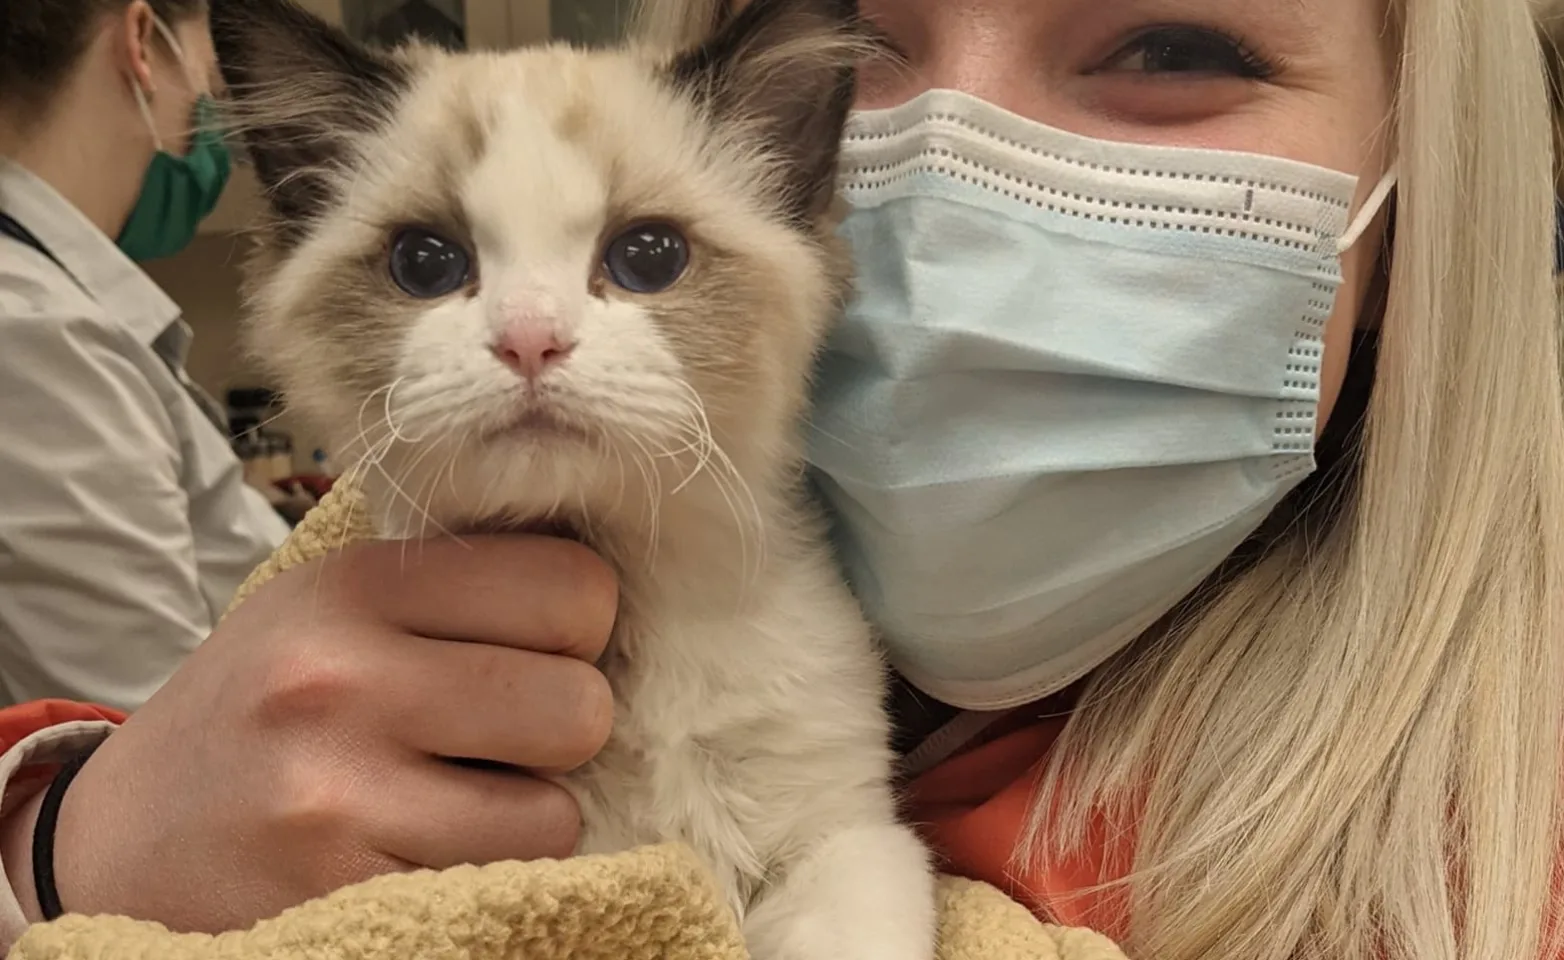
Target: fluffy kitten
{"points": [[585, 289]]}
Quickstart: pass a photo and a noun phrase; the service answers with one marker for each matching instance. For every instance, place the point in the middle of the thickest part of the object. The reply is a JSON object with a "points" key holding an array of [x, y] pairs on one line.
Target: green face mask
{"points": [[177, 193]]}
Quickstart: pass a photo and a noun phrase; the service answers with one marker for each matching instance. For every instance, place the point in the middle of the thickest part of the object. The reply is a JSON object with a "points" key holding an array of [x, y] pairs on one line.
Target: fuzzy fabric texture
{"points": [[652, 903]]}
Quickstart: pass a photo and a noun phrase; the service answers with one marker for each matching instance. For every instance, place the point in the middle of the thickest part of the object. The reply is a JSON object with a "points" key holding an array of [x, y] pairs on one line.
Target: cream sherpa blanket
{"points": [[654, 903]]}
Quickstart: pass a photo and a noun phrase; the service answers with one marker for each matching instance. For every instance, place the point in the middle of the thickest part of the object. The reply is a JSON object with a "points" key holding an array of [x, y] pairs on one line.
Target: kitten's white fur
{"points": [[750, 722]]}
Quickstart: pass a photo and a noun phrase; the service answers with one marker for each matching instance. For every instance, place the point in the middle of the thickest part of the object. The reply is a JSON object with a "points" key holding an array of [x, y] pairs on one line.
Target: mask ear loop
{"points": [[170, 39], [141, 96], [1368, 212], [146, 117]]}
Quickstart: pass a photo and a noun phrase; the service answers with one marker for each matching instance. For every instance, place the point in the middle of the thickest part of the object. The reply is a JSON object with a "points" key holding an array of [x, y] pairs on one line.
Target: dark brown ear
{"points": [[785, 70], [300, 89]]}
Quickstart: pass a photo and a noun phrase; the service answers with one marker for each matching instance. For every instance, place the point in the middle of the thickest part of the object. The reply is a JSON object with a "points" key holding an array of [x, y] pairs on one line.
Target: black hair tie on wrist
{"points": [[43, 836]]}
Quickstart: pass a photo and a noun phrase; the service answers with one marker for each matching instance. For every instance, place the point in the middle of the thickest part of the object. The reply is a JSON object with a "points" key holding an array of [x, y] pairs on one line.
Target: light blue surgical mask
{"points": [[1075, 375]]}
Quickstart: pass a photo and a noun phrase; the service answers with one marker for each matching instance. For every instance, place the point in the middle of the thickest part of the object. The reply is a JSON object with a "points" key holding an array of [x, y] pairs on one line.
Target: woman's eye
{"points": [[1187, 51], [647, 258], [426, 265]]}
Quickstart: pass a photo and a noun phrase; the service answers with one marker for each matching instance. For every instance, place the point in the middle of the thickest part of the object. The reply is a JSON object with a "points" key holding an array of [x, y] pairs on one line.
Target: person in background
{"points": [[1347, 743], [125, 524]]}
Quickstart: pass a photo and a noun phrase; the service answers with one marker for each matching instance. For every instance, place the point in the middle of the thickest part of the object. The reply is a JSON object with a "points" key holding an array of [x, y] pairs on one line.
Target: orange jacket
{"points": [[973, 807], [25, 719]]}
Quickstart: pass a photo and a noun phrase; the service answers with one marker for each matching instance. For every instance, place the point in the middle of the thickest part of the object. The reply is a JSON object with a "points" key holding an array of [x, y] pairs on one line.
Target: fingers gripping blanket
{"points": [[652, 903]]}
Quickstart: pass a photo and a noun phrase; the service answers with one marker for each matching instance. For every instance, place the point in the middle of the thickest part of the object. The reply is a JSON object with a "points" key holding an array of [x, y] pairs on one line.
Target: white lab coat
{"points": [[125, 523]]}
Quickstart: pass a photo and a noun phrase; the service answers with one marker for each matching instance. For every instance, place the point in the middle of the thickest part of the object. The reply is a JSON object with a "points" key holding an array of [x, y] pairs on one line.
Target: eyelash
{"points": [[1248, 64]]}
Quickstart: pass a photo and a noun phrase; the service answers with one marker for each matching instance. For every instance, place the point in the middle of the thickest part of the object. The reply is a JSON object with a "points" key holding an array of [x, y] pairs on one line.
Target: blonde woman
{"points": [[1286, 698]]}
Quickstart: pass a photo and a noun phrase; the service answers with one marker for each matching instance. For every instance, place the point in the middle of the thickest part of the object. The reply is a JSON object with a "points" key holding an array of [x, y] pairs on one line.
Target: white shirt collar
{"points": [[97, 265]]}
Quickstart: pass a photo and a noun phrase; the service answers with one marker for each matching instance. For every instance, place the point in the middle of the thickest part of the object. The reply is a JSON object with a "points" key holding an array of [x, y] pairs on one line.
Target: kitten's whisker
{"points": [[734, 489], [390, 420], [686, 423], [283, 412], [711, 454], [624, 487], [701, 443], [443, 428], [394, 433], [687, 427], [416, 408], [371, 450], [428, 486], [397, 489], [653, 480], [741, 491], [363, 430], [724, 489], [456, 456], [348, 477], [448, 468], [746, 511], [692, 421]]}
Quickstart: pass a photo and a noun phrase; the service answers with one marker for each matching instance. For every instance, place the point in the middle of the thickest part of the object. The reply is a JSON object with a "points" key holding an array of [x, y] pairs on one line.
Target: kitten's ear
{"points": [[299, 89], [785, 70]]}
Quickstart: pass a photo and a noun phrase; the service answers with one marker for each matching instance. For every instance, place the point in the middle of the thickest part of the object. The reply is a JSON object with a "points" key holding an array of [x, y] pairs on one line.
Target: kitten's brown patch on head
{"points": [[574, 118], [472, 127]]}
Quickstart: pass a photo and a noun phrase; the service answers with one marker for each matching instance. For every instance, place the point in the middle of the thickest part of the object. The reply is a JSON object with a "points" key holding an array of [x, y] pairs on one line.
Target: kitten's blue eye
{"points": [[426, 265], [647, 258]]}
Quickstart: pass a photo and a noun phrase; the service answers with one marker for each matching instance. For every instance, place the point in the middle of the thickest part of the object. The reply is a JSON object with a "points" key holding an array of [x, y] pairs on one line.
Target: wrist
{"points": [[16, 852], [28, 844], [36, 737]]}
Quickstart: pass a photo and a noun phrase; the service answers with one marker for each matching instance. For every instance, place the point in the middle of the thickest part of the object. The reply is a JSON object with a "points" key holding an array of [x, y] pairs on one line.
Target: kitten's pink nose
{"points": [[529, 348]]}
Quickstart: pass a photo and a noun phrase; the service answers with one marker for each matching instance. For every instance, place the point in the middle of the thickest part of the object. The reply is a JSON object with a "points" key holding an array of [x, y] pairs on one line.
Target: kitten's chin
{"points": [[537, 427]]}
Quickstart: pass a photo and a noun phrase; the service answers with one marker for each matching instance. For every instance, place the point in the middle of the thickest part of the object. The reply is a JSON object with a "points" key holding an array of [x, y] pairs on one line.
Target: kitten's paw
{"points": [[864, 893]]}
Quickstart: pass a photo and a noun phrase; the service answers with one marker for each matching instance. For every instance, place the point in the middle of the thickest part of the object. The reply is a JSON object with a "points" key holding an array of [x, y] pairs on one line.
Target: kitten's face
{"points": [[548, 273]]}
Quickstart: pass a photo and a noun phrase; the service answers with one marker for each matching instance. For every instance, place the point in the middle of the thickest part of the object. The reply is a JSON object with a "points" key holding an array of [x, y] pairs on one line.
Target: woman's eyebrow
{"points": [[1298, 11]]}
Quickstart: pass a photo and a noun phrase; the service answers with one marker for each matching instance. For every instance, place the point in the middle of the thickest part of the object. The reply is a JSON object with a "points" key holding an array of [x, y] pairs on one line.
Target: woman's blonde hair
{"points": [[1352, 748]]}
